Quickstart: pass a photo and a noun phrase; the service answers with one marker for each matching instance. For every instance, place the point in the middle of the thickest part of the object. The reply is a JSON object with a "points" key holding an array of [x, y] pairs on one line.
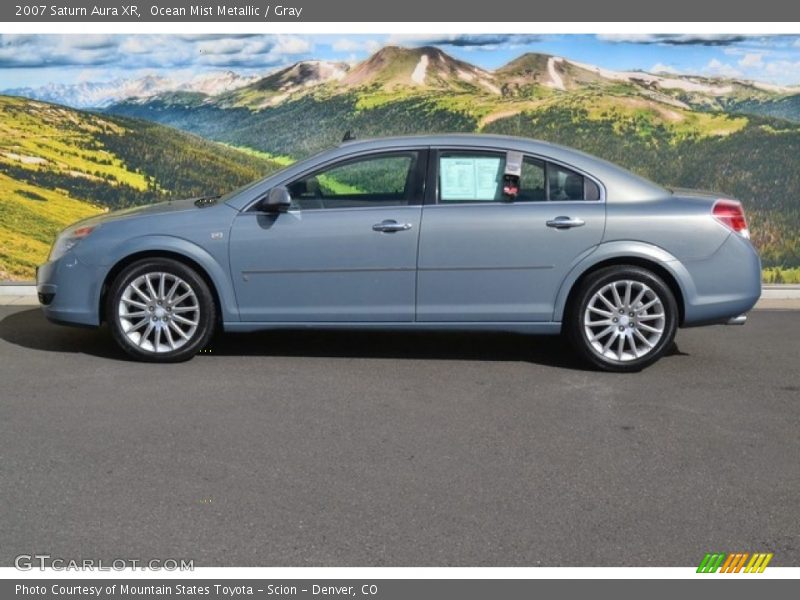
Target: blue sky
{"points": [[33, 60]]}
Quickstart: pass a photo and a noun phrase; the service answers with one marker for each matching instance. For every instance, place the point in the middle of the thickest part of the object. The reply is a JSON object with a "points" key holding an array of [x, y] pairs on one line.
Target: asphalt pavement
{"points": [[398, 449]]}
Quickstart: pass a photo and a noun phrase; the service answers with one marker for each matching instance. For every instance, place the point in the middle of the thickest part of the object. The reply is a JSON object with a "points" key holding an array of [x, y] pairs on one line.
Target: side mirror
{"points": [[278, 200]]}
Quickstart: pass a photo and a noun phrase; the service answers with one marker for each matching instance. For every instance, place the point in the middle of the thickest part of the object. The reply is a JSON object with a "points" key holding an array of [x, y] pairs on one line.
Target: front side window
{"points": [[390, 179]]}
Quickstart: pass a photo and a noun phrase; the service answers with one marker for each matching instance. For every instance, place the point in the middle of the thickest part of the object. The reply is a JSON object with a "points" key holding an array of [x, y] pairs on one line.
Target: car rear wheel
{"points": [[623, 318], [160, 310]]}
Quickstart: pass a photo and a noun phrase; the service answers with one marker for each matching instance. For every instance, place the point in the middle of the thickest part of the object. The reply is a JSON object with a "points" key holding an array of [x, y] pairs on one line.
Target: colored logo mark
{"points": [[734, 562]]}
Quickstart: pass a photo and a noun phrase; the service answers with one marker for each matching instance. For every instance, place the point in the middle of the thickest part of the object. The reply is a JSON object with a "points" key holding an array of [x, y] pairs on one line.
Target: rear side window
{"points": [[478, 177], [471, 177], [532, 181]]}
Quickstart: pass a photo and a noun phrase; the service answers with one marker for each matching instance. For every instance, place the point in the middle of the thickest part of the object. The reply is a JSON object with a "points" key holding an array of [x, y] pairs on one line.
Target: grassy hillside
{"points": [[734, 137], [58, 165]]}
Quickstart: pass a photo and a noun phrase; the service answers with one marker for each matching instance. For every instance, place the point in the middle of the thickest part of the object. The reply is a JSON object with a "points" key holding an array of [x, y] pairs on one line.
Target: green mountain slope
{"points": [[678, 131], [58, 165], [782, 107]]}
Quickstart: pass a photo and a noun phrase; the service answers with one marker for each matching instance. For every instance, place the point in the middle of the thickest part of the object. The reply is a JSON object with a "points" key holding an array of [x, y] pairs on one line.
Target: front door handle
{"points": [[390, 226], [565, 223]]}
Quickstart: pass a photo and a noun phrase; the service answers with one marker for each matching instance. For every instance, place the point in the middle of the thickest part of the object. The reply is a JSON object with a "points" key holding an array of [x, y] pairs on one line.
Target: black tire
{"points": [[578, 311], [196, 336]]}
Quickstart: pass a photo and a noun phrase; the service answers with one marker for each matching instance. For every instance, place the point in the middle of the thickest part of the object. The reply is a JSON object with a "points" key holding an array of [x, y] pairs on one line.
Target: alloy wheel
{"points": [[624, 320], [158, 312]]}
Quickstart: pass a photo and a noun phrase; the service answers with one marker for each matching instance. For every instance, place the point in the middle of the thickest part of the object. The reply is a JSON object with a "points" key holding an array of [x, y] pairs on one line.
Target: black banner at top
{"points": [[406, 11]]}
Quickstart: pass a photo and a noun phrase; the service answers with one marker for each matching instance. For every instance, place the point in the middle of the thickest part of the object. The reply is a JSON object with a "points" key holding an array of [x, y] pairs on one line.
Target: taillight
{"points": [[731, 214]]}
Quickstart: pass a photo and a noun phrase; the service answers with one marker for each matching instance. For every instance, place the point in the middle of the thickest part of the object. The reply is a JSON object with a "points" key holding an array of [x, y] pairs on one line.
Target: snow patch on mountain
{"points": [[666, 82], [555, 79], [775, 89], [418, 76]]}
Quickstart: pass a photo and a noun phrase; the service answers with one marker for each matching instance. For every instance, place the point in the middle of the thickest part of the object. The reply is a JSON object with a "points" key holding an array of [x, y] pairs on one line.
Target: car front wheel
{"points": [[623, 318], [160, 310]]}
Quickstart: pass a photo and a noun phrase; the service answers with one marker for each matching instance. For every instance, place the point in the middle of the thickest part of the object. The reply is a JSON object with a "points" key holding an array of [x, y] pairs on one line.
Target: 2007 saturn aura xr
{"points": [[452, 232]]}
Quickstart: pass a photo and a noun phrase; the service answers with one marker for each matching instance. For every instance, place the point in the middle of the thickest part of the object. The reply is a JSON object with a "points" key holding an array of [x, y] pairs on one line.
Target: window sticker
{"points": [[468, 178]]}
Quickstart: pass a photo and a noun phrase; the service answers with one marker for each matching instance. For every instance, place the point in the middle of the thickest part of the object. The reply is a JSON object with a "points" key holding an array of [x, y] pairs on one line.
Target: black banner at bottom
{"points": [[397, 589]]}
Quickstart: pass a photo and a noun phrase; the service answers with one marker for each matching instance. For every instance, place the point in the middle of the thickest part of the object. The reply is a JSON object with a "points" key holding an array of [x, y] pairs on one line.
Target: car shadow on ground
{"points": [[29, 329]]}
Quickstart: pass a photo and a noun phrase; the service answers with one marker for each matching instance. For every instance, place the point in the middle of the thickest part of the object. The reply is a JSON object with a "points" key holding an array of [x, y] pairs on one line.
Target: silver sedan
{"points": [[453, 232]]}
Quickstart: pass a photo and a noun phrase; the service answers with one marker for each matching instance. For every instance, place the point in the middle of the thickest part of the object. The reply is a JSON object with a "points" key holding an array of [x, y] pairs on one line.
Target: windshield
{"points": [[235, 192]]}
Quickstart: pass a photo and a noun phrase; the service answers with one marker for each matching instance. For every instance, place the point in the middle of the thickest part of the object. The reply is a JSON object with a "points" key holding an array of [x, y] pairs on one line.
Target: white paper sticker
{"points": [[470, 177]]}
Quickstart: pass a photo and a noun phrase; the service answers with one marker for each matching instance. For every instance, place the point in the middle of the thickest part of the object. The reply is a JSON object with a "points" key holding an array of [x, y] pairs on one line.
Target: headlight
{"points": [[67, 240]]}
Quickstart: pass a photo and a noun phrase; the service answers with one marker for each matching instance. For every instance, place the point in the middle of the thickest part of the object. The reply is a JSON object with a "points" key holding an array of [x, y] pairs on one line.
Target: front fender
{"points": [[180, 246], [620, 250]]}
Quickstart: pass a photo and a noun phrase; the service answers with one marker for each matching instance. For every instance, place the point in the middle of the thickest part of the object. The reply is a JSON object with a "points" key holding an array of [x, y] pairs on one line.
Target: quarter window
{"points": [[565, 184], [378, 180]]}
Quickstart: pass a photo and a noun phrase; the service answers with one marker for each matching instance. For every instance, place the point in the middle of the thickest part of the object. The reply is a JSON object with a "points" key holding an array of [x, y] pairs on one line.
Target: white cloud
{"points": [[200, 37], [346, 45], [488, 41], [351, 45], [88, 75], [136, 44], [56, 50], [89, 42], [751, 59], [718, 68], [131, 52], [662, 68], [372, 46], [790, 70], [223, 46], [682, 39], [292, 44], [757, 66]]}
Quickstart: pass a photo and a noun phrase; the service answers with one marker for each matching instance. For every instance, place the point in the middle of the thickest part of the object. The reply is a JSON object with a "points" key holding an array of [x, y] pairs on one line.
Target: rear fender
{"points": [[621, 250]]}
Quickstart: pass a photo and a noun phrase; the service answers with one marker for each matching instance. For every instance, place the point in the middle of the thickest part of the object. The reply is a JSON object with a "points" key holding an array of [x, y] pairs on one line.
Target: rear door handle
{"points": [[390, 226], [565, 222]]}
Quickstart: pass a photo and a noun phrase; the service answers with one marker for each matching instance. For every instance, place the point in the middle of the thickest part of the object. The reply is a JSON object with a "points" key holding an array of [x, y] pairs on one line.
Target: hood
{"points": [[169, 206]]}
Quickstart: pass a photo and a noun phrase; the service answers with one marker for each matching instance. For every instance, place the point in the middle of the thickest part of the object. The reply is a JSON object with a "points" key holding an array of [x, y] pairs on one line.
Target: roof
{"points": [[459, 139], [620, 184]]}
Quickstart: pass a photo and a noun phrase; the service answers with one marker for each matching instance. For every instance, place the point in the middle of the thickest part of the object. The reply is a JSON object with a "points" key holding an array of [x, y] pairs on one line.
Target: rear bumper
{"points": [[723, 287], [69, 291]]}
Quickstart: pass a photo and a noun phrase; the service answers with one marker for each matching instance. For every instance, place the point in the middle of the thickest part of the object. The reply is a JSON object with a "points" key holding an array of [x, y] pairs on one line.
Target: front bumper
{"points": [[69, 291]]}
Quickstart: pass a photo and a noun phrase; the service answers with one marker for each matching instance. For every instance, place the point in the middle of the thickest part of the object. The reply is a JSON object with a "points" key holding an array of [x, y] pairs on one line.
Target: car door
{"points": [[486, 257], [345, 251]]}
